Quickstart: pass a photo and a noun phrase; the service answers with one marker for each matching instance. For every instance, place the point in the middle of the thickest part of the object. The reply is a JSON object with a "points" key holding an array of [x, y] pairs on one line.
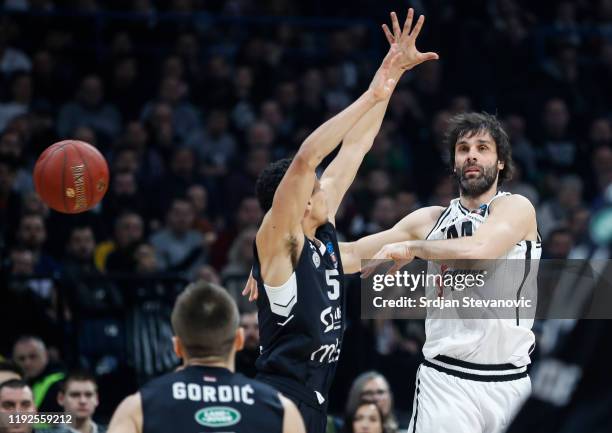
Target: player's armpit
{"points": [[128, 416], [413, 226], [292, 421]]}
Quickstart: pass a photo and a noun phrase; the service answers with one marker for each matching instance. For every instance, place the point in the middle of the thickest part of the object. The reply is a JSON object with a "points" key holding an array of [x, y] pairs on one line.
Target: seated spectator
{"points": [[556, 211], [21, 97], [198, 196], [245, 359], [10, 200], [206, 273], [9, 371], [373, 387], [240, 259], [124, 195], [558, 244], [215, 145], [32, 234], [179, 247], [79, 398], [115, 255], [16, 397], [363, 417], [11, 59], [45, 377], [89, 109]]}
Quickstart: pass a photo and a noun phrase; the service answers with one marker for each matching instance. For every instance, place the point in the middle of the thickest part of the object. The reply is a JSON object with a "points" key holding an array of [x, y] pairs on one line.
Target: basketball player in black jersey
{"points": [[205, 395], [297, 257]]}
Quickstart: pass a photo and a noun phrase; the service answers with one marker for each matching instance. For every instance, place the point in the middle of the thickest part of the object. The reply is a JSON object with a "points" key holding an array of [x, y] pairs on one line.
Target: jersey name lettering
{"points": [[213, 394]]}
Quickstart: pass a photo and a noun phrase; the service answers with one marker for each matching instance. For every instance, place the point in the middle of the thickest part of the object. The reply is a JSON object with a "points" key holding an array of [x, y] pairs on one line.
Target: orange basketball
{"points": [[71, 176]]}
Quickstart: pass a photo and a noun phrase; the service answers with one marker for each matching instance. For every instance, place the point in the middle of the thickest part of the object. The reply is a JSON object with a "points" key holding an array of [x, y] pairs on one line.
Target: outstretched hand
{"points": [[403, 41], [400, 253]]}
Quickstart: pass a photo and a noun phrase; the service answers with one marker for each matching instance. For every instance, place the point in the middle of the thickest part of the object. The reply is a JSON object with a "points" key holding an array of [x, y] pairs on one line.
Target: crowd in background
{"points": [[189, 108]]}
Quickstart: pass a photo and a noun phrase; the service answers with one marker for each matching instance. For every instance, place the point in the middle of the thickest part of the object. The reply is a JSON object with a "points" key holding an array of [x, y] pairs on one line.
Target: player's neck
{"points": [[310, 229], [211, 362], [472, 203]]}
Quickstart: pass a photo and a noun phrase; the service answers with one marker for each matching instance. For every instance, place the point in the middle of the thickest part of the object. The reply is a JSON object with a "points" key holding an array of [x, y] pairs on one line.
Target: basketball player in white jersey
{"points": [[474, 376]]}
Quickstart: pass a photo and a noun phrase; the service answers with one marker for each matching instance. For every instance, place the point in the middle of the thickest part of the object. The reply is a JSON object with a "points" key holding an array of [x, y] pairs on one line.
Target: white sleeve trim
{"points": [[283, 298]]}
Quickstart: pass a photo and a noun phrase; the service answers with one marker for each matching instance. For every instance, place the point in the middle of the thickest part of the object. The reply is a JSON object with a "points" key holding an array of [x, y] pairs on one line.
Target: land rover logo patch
{"points": [[217, 416]]}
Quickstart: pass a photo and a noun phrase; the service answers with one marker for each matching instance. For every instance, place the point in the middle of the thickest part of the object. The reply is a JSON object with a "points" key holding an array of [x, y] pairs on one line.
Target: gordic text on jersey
{"points": [[301, 323], [202, 399]]}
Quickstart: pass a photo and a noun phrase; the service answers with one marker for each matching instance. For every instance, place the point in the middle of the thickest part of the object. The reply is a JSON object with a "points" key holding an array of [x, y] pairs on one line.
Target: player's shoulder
{"points": [[516, 202]]}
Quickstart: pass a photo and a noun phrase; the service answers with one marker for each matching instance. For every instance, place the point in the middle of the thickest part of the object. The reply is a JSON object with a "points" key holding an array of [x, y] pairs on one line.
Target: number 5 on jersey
{"points": [[333, 283]]}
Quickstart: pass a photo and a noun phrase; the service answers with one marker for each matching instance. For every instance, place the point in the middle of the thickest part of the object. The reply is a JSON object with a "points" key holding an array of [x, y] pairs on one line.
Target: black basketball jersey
{"points": [[302, 322], [202, 399]]}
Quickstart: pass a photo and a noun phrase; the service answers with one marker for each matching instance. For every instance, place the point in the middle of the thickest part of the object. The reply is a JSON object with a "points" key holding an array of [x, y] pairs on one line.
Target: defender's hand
{"points": [[400, 253], [404, 41], [385, 81], [250, 288]]}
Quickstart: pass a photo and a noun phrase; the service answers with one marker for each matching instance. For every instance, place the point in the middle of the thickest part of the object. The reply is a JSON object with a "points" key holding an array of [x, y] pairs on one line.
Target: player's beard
{"points": [[476, 186]]}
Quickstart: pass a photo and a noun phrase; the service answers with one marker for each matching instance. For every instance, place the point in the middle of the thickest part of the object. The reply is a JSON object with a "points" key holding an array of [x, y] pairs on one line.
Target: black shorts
{"points": [[315, 420]]}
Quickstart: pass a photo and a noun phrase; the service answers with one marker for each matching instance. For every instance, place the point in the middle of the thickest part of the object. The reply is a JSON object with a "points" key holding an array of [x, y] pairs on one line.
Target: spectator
{"points": [[373, 387], [557, 148], [215, 145], [116, 253], [206, 273], [32, 234], [245, 359], [79, 398], [240, 259], [44, 376], [249, 214], [12, 144], [555, 212], [124, 196], [89, 109], [198, 196], [9, 371], [10, 201], [11, 59], [21, 97], [363, 417], [558, 244], [16, 397], [179, 247]]}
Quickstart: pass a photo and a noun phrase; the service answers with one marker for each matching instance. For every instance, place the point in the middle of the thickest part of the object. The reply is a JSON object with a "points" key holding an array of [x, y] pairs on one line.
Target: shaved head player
{"points": [[205, 394], [297, 258]]}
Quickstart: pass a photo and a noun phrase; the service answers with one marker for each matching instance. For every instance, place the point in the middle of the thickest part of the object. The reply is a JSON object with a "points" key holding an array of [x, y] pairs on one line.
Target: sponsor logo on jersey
{"points": [[316, 259], [332, 253], [217, 416], [210, 379], [327, 353], [331, 319]]}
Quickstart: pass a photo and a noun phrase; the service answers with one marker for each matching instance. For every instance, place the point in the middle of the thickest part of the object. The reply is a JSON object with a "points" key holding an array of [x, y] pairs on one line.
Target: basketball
{"points": [[71, 176]]}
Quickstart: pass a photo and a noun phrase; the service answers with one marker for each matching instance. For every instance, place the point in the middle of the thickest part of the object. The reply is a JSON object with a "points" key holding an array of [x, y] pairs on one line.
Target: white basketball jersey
{"points": [[482, 341]]}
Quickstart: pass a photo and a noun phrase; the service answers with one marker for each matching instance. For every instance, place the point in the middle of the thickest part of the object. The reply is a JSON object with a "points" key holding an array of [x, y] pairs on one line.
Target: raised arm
{"points": [[341, 172], [281, 226]]}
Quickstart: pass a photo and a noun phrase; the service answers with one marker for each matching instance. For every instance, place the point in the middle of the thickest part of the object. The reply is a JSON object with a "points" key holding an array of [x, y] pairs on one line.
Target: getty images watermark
{"points": [[514, 289]]}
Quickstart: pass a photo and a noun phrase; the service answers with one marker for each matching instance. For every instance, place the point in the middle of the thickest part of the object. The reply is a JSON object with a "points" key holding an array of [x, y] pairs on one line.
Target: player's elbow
{"points": [[306, 160], [477, 250]]}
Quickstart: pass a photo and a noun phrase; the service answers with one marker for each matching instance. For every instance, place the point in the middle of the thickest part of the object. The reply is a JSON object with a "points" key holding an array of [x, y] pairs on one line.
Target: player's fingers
{"points": [[408, 22], [388, 34], [423, 57], [417, 27], [396, 27]]}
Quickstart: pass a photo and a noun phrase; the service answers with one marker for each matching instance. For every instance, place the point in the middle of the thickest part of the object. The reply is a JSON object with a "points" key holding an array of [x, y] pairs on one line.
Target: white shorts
{"points": [[454, 396]]}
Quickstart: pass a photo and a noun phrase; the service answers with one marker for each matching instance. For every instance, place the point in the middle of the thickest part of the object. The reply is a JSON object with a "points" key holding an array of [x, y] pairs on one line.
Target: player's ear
{"points": [[500, 165], [239, 339], [178, 347], [60, 398]]}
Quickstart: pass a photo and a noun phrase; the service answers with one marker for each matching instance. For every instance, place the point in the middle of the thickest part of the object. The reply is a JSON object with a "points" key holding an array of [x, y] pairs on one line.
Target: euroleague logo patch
{"points": [[332, 253]]}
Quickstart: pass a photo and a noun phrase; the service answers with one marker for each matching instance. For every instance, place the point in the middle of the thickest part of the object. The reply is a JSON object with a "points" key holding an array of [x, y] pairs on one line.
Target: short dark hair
{"points": [[78, 376], [470, 124], [11, 366], [205, 318], [268, 181], [14, 384]]}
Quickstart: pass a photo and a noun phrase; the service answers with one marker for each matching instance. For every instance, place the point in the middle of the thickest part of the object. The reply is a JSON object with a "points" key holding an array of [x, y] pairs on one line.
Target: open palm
{"points": [[403, 41]]}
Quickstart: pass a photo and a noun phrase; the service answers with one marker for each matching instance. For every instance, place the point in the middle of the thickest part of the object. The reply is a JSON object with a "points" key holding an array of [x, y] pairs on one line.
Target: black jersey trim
{"points": [[462, 208], [525, 275], [443, 215], [476, 377], [416, 408], [473, 365]]}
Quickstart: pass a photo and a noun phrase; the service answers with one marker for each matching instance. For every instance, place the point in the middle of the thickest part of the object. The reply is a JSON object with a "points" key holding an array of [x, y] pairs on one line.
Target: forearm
{"points": [[449, 249], [326, 137], [361, 136]]}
